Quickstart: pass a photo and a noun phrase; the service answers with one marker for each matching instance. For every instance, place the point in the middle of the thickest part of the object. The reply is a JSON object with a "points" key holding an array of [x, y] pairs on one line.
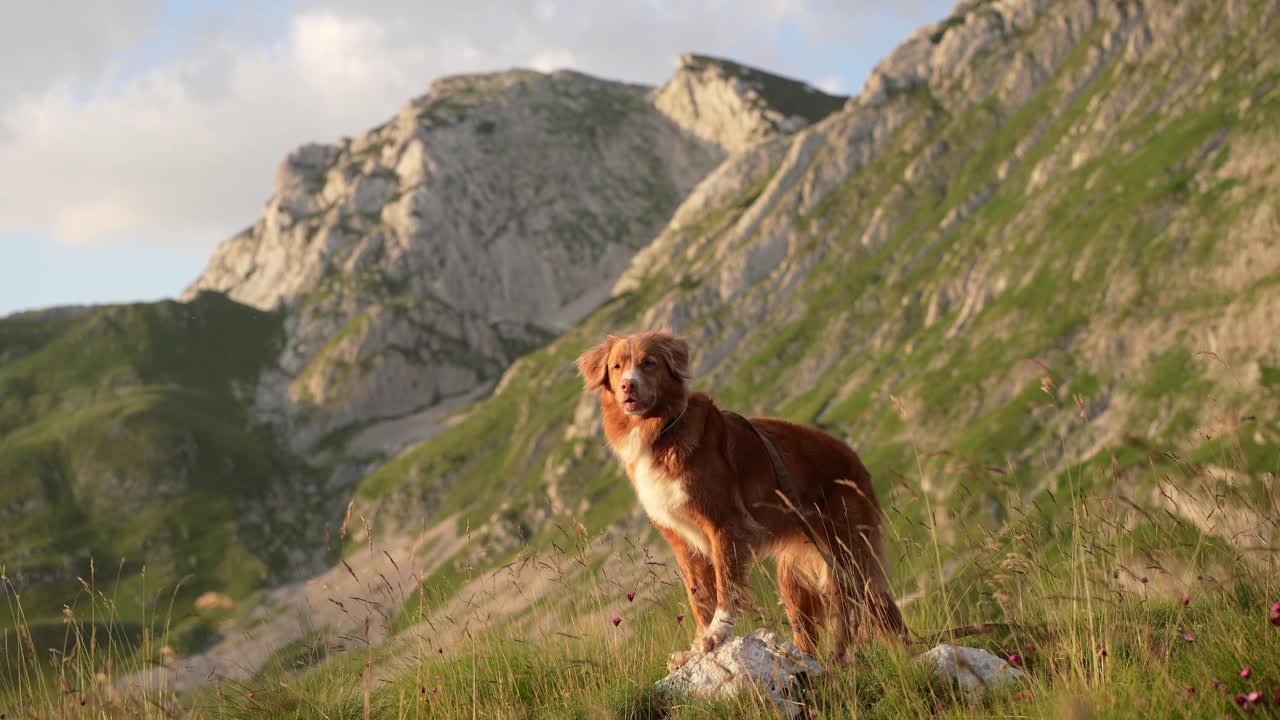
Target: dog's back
{"points": [[834, 504], [824, 474]]}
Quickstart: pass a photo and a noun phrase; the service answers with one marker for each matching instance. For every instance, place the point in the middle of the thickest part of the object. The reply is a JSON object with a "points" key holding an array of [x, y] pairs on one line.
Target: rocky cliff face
{"points": [[734, 106], [414, 263], [1022, 179]]}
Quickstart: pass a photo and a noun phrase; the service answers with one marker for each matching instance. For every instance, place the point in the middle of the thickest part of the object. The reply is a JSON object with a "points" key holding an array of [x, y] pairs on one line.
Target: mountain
{"points": [[1036, 256], [1038, 249], [127, 456], [413, 264], [212, 443]]}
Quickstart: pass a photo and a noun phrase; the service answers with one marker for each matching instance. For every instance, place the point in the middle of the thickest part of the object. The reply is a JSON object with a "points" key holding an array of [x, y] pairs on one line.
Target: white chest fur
{"points": [[662, 496]]}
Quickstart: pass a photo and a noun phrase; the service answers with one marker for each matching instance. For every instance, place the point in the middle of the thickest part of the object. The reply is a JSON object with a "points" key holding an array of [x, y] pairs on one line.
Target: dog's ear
{"points": [[676, 352], [593, 365]]}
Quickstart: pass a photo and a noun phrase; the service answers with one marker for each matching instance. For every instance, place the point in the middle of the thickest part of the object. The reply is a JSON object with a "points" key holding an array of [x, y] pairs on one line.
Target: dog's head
{"points": [[642, 373]]}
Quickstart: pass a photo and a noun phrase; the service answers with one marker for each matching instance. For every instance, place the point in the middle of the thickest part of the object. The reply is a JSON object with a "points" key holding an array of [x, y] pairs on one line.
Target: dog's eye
{"points": [[617, 366], [648, 362]]}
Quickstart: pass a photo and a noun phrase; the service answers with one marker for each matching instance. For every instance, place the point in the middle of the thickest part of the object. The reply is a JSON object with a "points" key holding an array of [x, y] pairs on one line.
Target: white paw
{"points": [[679, 659], [718, 630]]}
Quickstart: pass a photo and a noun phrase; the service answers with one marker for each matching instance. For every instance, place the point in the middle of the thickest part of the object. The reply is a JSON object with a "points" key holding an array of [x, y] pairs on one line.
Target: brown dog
{"points": [[710, 483]]}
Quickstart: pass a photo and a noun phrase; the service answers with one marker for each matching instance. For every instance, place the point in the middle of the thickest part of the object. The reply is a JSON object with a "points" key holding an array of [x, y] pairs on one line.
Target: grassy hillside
{"points": [[1099, 302], [1093, 642], [1113, 609], [128, 459]]}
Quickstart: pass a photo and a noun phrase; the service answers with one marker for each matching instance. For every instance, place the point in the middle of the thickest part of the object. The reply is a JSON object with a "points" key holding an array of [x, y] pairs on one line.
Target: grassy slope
{"points": [[1073, 576], [1050, 574], [122, 442]]}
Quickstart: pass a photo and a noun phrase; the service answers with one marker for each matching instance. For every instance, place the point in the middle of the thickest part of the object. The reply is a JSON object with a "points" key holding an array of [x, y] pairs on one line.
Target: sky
{"points": [[137, 134]]}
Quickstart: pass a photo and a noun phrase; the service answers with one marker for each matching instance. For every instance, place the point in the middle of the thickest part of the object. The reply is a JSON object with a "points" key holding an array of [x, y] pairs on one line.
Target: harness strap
{"points": [[786, 491]]}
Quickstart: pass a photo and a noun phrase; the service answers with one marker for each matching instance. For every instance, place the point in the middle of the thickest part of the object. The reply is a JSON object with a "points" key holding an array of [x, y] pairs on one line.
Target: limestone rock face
{"points": [[734, 106], [415, 262], [760, 662], [974, 670], [945, 52]]}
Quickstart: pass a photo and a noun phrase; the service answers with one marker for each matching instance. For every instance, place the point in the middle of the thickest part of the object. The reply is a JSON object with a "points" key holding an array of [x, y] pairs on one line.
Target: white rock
{"points": [[731, 105], [761, 660], [974, 670]]}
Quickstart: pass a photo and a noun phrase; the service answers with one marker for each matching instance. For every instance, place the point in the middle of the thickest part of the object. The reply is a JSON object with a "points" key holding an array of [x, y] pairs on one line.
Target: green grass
{"points": [[1069, 575], [1167, 374], [127, 443]]}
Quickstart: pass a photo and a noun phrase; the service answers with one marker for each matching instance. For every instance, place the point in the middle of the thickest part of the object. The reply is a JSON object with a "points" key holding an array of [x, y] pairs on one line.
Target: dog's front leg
{"points": [[699, 578], [729, 560], [699, 583]]}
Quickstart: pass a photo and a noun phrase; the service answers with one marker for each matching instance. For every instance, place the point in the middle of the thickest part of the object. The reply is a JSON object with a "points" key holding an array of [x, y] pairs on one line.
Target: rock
{"points": [[415, 262], [762, 660], [412, 267], [735, 106], [974, 670]]}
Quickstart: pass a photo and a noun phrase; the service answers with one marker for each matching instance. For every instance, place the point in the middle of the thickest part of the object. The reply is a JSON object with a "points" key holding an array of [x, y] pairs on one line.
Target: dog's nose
{"points": [[627, 386]]}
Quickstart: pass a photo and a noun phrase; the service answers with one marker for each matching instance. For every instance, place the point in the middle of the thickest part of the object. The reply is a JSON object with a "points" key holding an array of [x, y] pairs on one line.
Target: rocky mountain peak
{"points": [[951, 57], [415, 261], [735, 106]]}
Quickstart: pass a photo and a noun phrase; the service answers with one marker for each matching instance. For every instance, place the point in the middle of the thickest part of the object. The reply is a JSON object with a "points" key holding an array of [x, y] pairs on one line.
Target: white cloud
{"points": [[94, 219], [545, 10], [45, 45], [155, 160], [182, 151], [333, 54]]}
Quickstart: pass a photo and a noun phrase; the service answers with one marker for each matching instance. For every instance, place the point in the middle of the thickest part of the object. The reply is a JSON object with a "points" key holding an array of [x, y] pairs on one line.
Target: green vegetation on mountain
{"points": [[128, 458]]}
